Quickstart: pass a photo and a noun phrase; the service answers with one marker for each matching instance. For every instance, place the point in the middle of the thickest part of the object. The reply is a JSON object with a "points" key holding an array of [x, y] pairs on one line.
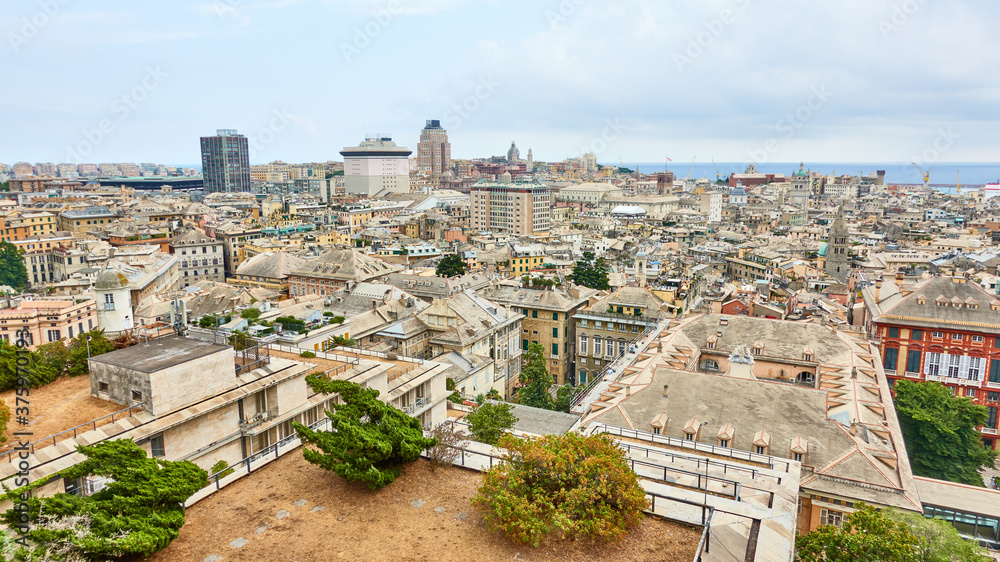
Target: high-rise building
{"points": [[518, 208], [376, 167], [434, 150], [225, 162], [531, 161]]}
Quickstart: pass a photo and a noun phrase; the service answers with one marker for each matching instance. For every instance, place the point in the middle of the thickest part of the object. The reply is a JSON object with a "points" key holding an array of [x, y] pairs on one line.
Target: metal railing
{"points": [[673, 456], [696, 445], [698, 475], [82, 428], [419, 403]]}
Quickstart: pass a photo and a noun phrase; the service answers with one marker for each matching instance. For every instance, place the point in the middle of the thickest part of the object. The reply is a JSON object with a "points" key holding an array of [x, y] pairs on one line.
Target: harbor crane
{"points": [[926, 175]]}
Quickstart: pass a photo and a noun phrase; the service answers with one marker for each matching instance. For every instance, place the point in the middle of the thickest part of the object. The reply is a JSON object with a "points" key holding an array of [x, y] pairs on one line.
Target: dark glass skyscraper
{"points": [[225, 162]]}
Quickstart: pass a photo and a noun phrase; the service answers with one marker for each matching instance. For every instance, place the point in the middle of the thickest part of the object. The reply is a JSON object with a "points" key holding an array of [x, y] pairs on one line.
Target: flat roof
{"points": [[160, 353], [959, 497]]}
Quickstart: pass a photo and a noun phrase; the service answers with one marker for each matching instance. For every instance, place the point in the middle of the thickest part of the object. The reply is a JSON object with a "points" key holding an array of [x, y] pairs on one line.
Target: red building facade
{"points": [[946, 330]]}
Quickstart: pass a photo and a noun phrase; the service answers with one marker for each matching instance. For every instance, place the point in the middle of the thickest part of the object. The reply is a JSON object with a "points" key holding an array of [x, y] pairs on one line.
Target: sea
{"points": [[943, 175]]}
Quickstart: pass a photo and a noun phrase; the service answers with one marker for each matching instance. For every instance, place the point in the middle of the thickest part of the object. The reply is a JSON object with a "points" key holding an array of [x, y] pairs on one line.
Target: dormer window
{"points": [[710, 344], [799, 449], [921, 300], [761, 442], [758, 348], [807, 354]]}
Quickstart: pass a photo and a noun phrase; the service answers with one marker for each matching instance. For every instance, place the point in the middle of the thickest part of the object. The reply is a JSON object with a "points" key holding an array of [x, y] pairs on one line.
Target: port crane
{"points": [[926, 175], [718, 176]]}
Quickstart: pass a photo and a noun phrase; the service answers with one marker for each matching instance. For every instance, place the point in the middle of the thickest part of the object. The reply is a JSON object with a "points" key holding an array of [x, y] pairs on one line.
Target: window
{"points": [[54, 335], [970, 392], [937, 334], [621, 347], [583, 377], [933, 364], [597, 347], [524, 345], [156, 445], [555, 316], [893, 333], [102, 387], [956, 337], [954, 364], [991, 417], [760, 450], [891, 356], [137, 396], [797, 457], [975, 371], [689, 436], [656, 430], [724, 443], [555, 349], [993, 396], [916, 335], [583, 344], [977, 339], [830, 517], [995, 370], [583, 323], [534, 314], [913, 361], [555, 332]]}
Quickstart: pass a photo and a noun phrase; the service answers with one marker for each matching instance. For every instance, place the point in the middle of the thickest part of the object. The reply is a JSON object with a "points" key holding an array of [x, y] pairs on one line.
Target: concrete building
{"points": [[590, 192], [48, 321], [519, 208], [80, 221], [434, 150], [225, 162], [201, 258], [376, 167]]}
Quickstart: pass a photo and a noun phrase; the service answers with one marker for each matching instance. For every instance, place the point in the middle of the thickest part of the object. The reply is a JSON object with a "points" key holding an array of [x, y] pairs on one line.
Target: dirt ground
{"points": [[64, 403], [343, 521]]}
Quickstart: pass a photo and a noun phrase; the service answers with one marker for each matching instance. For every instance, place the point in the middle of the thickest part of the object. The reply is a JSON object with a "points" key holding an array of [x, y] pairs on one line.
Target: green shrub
{"points": [[250, 314], [221, 469], [307, 354]]}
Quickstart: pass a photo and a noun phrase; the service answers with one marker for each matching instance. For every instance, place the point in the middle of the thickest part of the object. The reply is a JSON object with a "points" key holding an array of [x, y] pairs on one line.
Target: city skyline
{"points": [[865, 82]]}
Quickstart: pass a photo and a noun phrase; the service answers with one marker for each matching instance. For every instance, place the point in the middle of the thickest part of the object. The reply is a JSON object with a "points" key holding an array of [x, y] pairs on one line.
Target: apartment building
{"points": [[80, 221], [472, 326], [519, 208], [48, 321], [548, 320], [336, 269], [605, 328], [946, 330], [22, 225], [201, 258]]}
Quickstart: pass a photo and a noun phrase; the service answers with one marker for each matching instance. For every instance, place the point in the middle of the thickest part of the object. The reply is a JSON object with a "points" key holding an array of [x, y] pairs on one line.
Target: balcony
{"points": [[912, 375], [989, 431], [419, 404], [258, 419]]}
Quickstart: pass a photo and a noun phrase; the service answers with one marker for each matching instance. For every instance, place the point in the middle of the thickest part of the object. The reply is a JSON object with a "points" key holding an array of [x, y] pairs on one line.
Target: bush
{"points": [[449, 445], [338, 320], [572, 485], [209, 321], [4, 419], [221, 468], [327, 313], [456, 397], [250, 313], [307, 354]]}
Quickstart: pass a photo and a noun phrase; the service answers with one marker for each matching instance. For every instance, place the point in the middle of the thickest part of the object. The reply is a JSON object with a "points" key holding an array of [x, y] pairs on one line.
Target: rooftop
{"points": [[160, 353]]}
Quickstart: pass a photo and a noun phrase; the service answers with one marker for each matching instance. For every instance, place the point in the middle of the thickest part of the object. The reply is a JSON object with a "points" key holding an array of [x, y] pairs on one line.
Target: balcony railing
{"points": [[418, 404], [258, 419]]}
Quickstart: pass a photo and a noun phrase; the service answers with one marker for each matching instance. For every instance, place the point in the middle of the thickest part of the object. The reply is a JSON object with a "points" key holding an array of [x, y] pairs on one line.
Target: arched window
{"points": [[710, 365], [805, 377]]}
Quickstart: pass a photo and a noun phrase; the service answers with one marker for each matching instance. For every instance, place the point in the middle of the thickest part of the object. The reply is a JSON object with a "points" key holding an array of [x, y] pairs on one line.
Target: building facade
{"points": [[519, 208], [48, 321], [375, 167], [838, 259], [201, 258], [225, 162], [946, 330]]}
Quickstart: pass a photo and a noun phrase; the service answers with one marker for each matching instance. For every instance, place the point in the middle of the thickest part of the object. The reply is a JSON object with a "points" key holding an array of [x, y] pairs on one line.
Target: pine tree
{"points": [[535, 380]]}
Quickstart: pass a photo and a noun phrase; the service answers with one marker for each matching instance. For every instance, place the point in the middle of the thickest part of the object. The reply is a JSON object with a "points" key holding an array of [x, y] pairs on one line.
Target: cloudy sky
{"points": [[737, 80]]}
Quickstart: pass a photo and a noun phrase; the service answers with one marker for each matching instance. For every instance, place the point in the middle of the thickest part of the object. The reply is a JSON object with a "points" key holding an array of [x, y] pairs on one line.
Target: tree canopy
{"points": [[591, 272], [450, 266], [13, 272], [941, 432], [873, 535], [535, 380], [138, 512], [489, 421], [369, 440], [78, 350], [572, 485]]}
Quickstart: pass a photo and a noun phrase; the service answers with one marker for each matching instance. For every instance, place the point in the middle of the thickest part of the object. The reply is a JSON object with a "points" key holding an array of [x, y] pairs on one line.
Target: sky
{"points": [[734, 80]]}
